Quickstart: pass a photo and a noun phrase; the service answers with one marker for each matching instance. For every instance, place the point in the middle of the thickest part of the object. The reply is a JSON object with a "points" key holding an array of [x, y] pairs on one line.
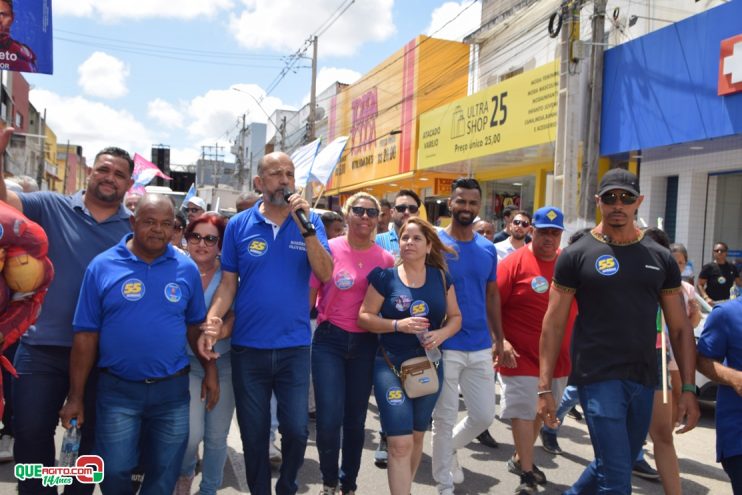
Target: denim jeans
{"points": [[151, 417], [618, 413], [733, 467], [342, 369], [38, 394], [399, 414], [256, 373], [210, 426], [570, 398]]}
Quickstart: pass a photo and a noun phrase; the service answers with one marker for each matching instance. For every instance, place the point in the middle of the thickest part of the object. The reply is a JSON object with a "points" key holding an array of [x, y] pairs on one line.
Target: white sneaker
{"points": [[6, 448], [456, 471], [274, 455]]}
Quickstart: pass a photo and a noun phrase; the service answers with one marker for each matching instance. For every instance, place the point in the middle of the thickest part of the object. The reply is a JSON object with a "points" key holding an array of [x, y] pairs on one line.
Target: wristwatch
{"points": [[692, 388]]}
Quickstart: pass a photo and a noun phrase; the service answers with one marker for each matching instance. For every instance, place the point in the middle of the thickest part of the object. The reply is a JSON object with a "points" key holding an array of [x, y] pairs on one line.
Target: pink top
{"points": [[689, 294], [340, 298]]}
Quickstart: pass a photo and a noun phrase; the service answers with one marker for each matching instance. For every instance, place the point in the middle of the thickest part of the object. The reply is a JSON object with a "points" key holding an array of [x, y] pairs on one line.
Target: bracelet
{"points": [[692, 388], [543, 392], [395, 326]]}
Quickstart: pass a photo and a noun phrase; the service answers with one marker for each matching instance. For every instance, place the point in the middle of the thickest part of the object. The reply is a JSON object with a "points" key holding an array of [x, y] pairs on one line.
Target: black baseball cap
{"points": [[619, 178]]}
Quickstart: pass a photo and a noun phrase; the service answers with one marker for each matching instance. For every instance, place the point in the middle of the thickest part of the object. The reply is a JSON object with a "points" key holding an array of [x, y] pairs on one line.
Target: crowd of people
{"points": [[159, 326]]}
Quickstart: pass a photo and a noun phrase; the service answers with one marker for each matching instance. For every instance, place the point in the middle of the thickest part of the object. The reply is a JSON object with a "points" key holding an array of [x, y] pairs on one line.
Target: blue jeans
{"points": [[570, 398], [399, 414], [342, 369], [618, 413], [733, 467], [38, 394], [156, 414], [256, 373], [210, 426]]}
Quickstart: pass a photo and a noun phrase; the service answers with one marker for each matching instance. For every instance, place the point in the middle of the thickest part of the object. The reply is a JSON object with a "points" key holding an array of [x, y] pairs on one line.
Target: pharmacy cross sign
{"points": [[730, 66]]}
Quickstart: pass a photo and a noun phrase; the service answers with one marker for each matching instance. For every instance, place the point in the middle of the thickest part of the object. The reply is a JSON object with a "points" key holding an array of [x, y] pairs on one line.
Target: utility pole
{"points": [[41, 167], [313, 94], [241, 157], [589, 176], [567, 142]]}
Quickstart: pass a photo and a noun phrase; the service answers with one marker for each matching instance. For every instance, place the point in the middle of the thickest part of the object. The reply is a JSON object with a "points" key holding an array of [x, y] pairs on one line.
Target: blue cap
{"points": [[548, 217]]}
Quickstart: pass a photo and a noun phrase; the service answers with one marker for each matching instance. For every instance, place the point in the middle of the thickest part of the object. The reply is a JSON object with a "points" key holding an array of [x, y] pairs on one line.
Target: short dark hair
{"points": [[522, 213], [385, 203], [658, 236], [118, 153], [181, 218], [720, 243], [330, 217], [508, 210], [410, 193], [466, 183]]}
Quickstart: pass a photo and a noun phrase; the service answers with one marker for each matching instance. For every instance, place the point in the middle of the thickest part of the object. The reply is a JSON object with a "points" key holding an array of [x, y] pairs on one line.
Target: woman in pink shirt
{"points": [[342, 353]]}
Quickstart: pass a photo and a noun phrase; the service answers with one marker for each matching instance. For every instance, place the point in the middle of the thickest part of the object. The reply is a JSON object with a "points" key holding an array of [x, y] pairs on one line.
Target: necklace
{"points": [[208, 271]]}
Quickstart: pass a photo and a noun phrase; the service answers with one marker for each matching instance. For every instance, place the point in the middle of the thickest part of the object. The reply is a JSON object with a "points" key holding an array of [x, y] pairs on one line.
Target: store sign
{"points": [[442, 186], [730, 66], [519, 112]]}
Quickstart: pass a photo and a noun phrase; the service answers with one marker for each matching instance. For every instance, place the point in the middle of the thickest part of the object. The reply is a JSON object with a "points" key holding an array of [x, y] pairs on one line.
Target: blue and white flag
{"points": [[303, 159], [191, 193], [327, 159]]}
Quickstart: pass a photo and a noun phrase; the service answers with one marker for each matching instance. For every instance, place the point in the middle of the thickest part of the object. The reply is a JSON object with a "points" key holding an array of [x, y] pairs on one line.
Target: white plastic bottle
{"points": [[70, 445]]}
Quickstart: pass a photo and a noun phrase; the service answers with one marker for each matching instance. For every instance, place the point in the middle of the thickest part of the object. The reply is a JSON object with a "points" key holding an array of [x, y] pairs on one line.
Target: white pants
{"points": [[471, 372]]}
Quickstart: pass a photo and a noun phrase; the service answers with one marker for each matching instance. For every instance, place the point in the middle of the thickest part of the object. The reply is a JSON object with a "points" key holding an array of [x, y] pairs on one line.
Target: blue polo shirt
{"points": [[141, 310], [389, 241], [472, 270], [271, 307], [75, 238], [722, 340]]}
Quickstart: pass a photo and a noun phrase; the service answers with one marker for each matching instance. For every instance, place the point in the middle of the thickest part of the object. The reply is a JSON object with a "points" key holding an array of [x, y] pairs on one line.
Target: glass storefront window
{"points": [[497, 194]]}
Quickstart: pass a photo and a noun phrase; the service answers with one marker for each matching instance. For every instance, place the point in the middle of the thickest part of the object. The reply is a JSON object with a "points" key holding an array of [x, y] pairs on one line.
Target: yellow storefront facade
{"points": [[380, 115], [502, 135]]}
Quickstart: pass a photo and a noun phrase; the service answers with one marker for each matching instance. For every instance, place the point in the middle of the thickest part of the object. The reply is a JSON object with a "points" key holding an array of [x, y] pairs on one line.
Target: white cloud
{"points": [[164, 113], [283, 25], [104, 76], [463, 25], [92, 125], [115, 10]]}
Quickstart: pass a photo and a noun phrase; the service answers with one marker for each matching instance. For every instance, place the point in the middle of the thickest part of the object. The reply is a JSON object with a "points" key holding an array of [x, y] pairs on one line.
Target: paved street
{"points": [[485, 468]]}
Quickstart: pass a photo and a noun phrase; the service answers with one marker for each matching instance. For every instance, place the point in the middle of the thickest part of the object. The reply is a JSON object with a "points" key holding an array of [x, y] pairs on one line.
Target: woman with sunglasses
{"points": [[342, 352], [204, 241], [413, 307]]}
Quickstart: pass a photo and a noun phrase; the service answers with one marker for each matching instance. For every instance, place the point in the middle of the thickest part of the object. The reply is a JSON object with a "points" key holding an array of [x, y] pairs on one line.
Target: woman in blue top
{"points": [[210, 424], [402, 302]]}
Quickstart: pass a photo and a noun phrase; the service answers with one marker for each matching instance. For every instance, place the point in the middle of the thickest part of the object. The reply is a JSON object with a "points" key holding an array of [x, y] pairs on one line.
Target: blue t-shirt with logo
{"points": [[75, 238], [402, 302], [140, 310], [473, 268], [272, 302], [722, 340]]}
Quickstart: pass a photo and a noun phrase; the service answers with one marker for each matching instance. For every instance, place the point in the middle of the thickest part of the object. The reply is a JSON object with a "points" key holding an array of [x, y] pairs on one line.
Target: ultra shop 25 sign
{"points": [[519, 112]]}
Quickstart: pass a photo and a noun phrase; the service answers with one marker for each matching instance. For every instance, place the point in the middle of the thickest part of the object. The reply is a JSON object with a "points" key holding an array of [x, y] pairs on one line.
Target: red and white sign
{"points": [[730, 66]]}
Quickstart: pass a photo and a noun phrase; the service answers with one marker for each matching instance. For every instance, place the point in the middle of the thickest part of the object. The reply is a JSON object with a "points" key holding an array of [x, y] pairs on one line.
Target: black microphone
{"points": [[308, 226]]}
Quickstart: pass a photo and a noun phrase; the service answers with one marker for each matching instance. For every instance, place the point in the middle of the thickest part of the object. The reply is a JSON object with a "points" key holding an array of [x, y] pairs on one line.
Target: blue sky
{"points": [[138, 72]]}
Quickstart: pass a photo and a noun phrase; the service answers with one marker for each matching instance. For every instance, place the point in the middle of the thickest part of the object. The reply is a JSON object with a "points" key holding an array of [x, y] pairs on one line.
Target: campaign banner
{"points": [[303, 158], [26, 36], [326, 160]]}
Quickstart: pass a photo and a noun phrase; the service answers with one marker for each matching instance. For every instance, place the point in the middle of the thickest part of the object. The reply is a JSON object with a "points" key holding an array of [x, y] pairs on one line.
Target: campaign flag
{"points": [[303, 159], [27, 46], [327, 159], [191, 193], [145, 171]]}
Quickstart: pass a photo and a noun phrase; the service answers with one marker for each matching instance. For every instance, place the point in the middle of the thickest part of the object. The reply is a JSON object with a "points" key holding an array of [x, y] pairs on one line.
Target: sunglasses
{"points": [[178, 228], [521, 223], [720, 250], [193, 210], [611, 198], [360, 210], [195, 239], [403, 208]]}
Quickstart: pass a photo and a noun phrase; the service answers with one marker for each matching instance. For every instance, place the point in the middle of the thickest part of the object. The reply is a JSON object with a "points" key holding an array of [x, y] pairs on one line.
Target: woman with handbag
{"points": [[342, 353], [413, 308]]}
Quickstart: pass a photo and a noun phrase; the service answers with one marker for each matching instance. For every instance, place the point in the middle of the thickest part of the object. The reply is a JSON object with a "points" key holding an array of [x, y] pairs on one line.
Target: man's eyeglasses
{"points": [[178, 228], [360, 210], [193, 210], [403, 208], [195, 239], [720, 250], [611, 198], [522, 223]]}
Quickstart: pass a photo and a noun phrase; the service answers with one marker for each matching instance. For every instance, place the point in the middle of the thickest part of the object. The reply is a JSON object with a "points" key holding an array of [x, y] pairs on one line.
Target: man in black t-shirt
{"points": [[718, 277], [618, 278]]}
